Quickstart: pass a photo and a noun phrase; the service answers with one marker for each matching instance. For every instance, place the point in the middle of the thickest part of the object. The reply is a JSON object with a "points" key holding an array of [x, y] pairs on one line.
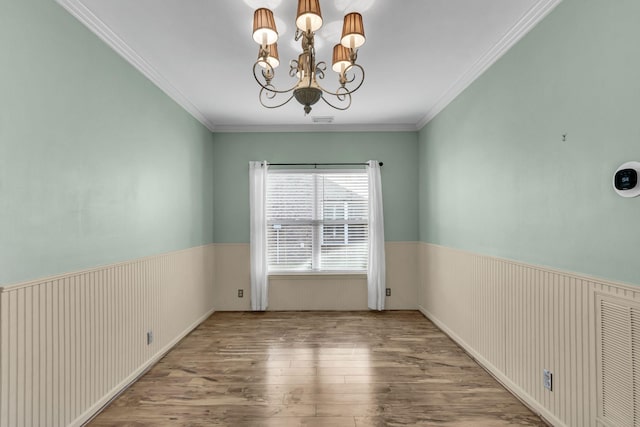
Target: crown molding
{"points": [[533, 16], [102, 30], [408, 127], [530, 19]]}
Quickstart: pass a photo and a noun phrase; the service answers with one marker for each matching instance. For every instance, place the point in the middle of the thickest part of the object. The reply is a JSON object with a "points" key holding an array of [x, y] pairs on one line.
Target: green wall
{"points": [[97, 165], [397, 150], [495, 175]]}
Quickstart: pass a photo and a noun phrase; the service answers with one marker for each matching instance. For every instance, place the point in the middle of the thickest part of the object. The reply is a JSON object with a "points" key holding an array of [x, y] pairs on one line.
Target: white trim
{"points": [[292, 275], [307, 169], [106, 34], [582, 276], [390, 127], [35, 282], [533, 16], [323, 273], [530, 19]]}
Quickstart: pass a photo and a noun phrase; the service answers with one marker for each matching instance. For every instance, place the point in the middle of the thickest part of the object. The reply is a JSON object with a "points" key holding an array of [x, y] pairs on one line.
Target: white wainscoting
{"points": [[70, 343], [315, 292], [518, 319]]}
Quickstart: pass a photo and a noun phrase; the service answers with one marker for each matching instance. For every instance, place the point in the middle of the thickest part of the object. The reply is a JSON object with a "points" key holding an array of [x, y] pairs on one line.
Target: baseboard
{"points": [[512, 387], [99, 406]]}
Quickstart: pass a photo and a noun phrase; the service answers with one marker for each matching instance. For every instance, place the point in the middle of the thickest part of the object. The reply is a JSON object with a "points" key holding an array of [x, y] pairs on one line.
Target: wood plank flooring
{"points": [[337, 369]]}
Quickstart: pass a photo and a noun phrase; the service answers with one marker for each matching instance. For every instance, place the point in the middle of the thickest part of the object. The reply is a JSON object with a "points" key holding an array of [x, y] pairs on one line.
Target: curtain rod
{"points": [[320, 164]]}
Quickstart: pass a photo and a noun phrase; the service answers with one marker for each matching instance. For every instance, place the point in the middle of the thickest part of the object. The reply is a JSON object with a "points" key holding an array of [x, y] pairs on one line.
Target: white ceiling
{"points": [[419, 54]]}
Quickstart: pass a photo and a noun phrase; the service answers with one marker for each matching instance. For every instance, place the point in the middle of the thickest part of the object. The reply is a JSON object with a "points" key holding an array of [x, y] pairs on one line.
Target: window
{"points": [[317, 221]]}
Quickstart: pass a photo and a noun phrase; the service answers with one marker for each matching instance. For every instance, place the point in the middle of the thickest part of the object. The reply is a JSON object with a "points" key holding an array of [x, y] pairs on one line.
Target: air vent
{"points": [[322, 119], [618, 362]]}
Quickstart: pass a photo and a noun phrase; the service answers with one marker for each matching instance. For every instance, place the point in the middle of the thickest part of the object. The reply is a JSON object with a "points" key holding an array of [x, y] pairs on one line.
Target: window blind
{"points": [[317, 221]]}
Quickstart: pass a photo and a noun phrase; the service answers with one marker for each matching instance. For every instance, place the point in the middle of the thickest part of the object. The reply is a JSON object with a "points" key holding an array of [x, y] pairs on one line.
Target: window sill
{"points": [[283, 275]]}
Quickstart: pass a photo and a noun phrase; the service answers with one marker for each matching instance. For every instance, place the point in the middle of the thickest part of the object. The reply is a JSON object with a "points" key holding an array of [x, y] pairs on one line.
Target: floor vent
{"points": [[618, 340]]}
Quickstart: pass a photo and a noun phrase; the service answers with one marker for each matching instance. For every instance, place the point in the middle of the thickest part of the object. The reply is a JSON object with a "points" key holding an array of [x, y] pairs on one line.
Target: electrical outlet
{"points": [[149, 337], [240, 293], [547, 379], [388, 292]]}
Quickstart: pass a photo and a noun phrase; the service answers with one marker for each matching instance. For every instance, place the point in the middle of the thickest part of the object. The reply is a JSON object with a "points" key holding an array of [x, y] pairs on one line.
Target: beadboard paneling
{"points": [[315, 292], [71, 342], [518, 319]]}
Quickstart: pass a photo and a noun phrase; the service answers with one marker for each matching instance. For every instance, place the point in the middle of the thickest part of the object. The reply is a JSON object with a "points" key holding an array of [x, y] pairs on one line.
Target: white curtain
{"points": [[258, 234], [376, 267]]}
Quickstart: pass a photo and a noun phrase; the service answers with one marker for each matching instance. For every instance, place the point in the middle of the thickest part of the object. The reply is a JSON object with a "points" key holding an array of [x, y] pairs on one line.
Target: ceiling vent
{"points": [[322, 119]]}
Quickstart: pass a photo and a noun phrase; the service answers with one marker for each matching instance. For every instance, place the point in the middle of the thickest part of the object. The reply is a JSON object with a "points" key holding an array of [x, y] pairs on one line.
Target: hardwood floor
{"points": [[317, 369]]}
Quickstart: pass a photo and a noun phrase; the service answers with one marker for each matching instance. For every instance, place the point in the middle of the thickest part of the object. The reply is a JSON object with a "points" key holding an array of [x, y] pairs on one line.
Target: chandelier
{"points": [[307, 90]]}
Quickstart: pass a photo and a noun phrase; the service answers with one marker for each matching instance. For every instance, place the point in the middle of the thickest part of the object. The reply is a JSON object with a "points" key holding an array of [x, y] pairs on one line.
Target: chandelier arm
{"points": [[261, 94], [267, 86], [346, 91], [321, 67], [344, 96], [354, 76]]}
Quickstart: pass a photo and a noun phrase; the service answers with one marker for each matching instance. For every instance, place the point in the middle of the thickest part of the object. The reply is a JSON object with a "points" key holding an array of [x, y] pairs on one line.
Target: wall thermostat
{"points": [[625, 180]]}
